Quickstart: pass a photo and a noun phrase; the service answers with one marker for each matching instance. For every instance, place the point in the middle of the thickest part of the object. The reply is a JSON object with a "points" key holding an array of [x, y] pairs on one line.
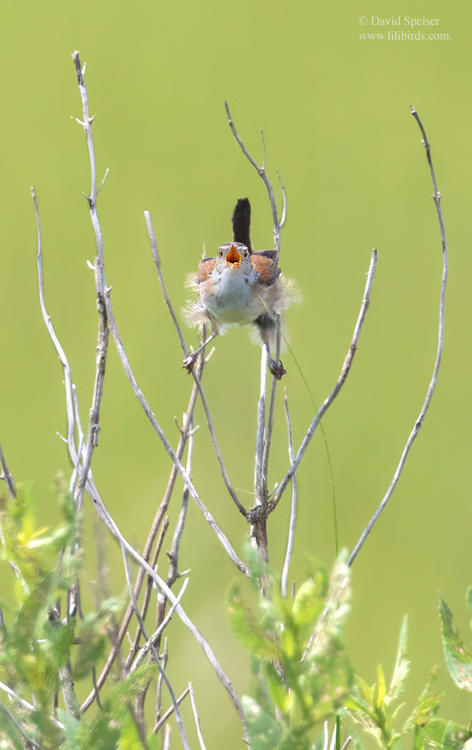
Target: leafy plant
{"points": [[301, 670], [42, 654]]}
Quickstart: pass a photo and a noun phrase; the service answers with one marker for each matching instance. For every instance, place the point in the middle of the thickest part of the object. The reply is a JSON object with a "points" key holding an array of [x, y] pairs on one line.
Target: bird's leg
{"points": [[266, 326], [191, 358]]}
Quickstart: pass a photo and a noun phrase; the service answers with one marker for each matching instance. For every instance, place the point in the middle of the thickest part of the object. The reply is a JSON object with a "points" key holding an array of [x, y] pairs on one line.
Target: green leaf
{"points": [[308, 603], [427, 706], [246, 627], [265, 732], [129, 739], [277, 690], [402, 665], [380, 688], [105, 731], [330, 682], [441, 734], [458, 658], [71, 729], [336, 606]]}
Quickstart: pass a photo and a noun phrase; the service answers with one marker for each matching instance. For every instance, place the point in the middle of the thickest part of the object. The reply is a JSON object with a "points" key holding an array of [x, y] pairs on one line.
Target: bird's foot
{"points": [[277, 369], [189, 361]]}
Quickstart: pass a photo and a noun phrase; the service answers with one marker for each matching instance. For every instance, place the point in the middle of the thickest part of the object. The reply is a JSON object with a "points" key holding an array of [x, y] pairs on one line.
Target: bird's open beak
{"points": [[233, 258]]}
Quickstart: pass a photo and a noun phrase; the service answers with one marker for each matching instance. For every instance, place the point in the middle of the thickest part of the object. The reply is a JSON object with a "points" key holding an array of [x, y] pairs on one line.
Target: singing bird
{"points": [[240, 287]]}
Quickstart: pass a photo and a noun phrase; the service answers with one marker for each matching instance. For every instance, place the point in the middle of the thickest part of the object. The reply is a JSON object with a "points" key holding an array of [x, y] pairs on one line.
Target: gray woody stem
{"points": [[293, 507], [437, 362], [101, 290]]}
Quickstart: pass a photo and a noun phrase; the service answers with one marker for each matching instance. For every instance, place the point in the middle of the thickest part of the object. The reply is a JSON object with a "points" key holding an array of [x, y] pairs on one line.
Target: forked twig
{"points": [[339, 384], [437, 362], [170, 711], [260, 169]]}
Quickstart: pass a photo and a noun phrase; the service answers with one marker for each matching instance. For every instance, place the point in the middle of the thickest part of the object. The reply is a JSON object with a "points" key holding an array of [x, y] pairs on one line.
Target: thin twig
{"points": [[260, 497], [147, 550], [260, 169], [151, 648], [167, 733], [339, 384], [270, 417], [6, 476], [283, 217], [100, 286], [160, 583], [147, 594], [170, 711], [165, 656], [173, 554], [155, 637], [437, 362], [196, 717], [29, 740], [293, 509], [25, 704], [57, 344]]}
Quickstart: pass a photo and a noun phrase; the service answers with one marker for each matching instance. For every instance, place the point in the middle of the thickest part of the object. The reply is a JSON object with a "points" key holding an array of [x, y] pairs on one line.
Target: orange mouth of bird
{"points": [[233, 258]]}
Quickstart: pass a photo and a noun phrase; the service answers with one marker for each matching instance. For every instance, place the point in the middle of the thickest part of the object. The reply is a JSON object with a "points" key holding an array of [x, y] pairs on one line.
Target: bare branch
{"points": [[260, 498], [6, 476], [29, 741], [70, 411], [283, 218], [170, 711], [160, 583], [339, 384], [150, 643], [196, 717], [184, 433], [437, 362], [155, 637], [270, 417], [293, 510], [101, 289], [25, 704], [260, 169]]}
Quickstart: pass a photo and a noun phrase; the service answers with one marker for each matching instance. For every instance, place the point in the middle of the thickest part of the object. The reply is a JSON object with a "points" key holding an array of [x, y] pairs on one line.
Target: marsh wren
{"points": [[240, 287]]}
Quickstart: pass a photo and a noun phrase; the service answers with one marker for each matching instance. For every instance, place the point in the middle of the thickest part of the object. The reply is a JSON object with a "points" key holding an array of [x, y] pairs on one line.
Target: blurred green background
{"points": [[335, 113]]}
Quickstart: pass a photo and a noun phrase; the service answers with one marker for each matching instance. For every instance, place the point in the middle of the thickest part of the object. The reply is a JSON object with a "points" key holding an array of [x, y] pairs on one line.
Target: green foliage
{"points": [[42, 655], [375, 708], [302, 673], [458, 657]]}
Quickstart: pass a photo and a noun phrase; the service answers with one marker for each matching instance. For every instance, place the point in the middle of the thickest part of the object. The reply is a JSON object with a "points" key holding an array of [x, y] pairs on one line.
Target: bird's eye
{"points": [[220, 253]]}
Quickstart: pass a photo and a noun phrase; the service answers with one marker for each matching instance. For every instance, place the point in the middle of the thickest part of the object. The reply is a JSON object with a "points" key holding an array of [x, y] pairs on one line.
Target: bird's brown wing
{"points": [[205, 268], [265, 263]]}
